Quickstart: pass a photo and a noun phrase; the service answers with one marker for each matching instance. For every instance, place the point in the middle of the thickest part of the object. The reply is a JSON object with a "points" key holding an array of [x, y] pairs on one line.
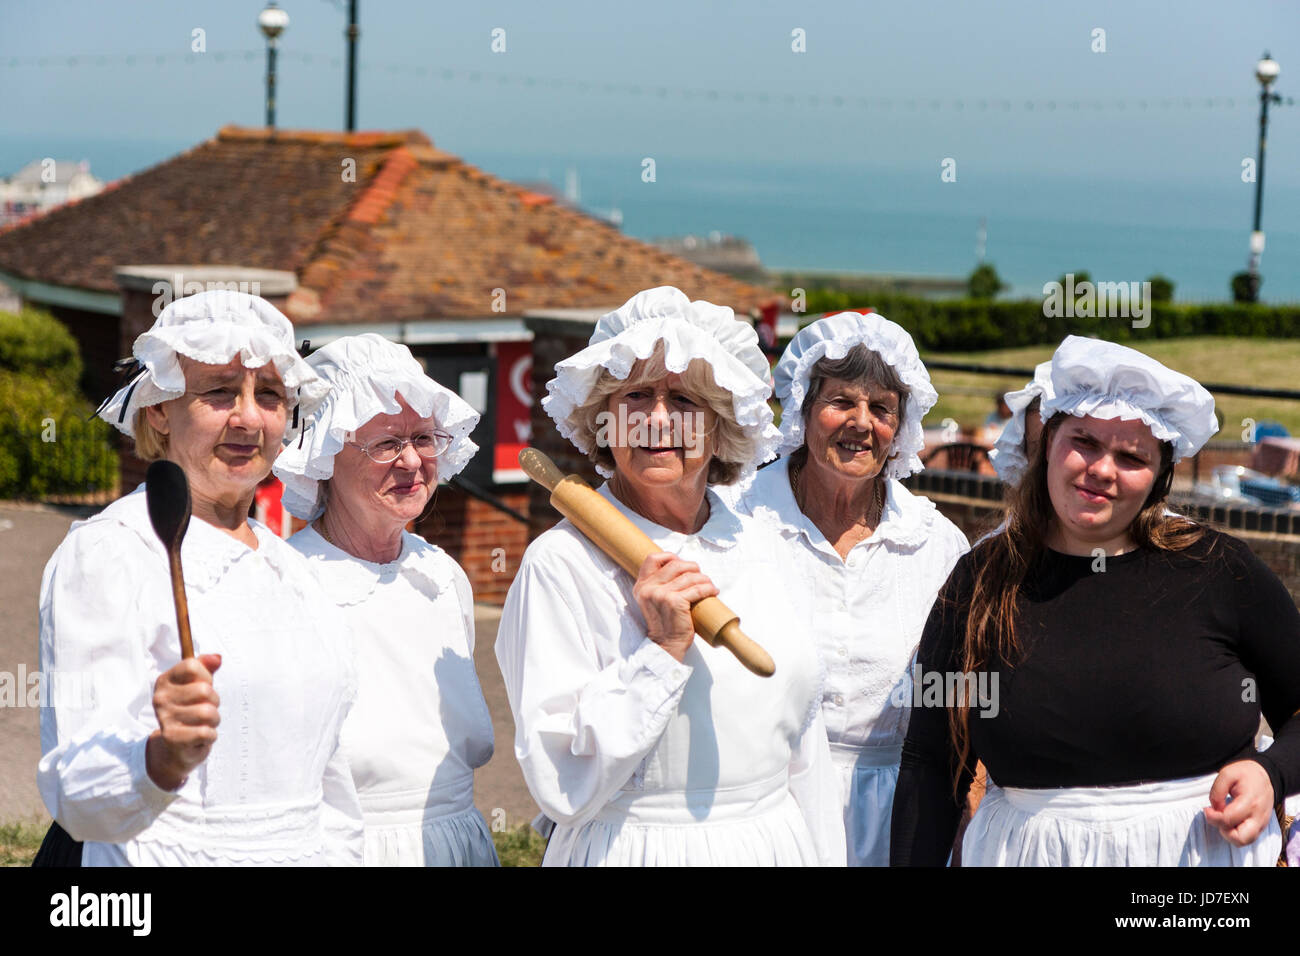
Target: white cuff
{"points": [[659, 662]]}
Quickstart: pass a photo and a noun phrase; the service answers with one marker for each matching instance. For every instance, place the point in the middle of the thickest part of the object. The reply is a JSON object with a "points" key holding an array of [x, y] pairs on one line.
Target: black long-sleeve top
{"points": [[1152, 669]]}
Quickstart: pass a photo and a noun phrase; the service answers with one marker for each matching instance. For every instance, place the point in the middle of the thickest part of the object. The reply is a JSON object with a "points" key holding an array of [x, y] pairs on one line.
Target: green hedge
{"points": [[972, 325], [35, 343], [47, 445]]}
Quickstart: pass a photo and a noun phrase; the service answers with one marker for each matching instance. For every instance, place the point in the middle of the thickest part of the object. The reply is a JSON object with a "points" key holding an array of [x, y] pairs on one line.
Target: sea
{"points": [[819, 215]]}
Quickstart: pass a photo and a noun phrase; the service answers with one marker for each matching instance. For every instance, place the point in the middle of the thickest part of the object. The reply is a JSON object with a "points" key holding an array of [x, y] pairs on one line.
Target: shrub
{"points": [[35, 343], [47, 445], [1245, 287], [984, 282], [1162, 289], [972, 325]]}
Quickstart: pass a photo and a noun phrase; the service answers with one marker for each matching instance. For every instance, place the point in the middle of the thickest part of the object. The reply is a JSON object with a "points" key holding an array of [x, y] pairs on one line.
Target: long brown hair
{"points": [[1007, 559]]}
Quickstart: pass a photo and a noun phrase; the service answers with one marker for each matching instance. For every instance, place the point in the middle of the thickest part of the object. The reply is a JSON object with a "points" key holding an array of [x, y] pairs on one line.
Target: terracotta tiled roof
{"points": [[415, 234]]}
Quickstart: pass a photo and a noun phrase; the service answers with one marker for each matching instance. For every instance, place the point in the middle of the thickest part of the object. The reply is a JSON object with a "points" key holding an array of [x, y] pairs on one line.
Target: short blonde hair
{"points": [[150, 443], [733, 445]]}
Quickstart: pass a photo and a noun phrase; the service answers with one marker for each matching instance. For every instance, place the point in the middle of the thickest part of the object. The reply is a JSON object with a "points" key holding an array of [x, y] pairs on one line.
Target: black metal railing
{"points": [[986, 491], [485, 496]]}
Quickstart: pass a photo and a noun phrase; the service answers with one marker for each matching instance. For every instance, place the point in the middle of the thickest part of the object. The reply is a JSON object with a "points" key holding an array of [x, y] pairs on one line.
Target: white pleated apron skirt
{"points": [[435, 826], [1150, 824], [758, 824], [868, 779]]}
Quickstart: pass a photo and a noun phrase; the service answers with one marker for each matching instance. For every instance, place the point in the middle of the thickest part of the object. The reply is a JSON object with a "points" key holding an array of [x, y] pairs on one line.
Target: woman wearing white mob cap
{"points": [[1130, 650], [645, 746], [231, 757], [853, 393], [368, 463], [1019, 439]]}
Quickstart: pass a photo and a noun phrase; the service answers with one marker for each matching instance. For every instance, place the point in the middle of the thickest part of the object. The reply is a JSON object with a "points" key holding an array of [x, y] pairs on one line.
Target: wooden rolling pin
{"points": [[609, 530]]}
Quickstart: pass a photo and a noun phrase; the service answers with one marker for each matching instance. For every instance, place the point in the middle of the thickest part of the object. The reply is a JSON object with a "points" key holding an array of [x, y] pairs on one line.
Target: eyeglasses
{"points": [[389, 448]]}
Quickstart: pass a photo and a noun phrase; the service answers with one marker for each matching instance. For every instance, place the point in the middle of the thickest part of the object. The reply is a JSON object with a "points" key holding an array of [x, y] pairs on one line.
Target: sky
{"points": [[1010, 54], [1103, 114]]}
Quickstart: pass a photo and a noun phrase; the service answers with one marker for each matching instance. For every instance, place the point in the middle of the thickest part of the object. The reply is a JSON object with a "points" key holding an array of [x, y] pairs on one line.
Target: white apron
{"points": [[869, 611], [419, 726], [643, 760], [1150, 824], [868, 779]]}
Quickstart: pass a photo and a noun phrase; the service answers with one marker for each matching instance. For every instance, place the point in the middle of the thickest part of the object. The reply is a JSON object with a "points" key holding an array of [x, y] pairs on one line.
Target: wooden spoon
{"points": [[167, 492]]}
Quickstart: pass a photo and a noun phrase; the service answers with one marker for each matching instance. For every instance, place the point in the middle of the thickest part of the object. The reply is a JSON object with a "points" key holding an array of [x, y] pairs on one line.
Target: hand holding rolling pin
{"points": [[664, 583], [666, 588]]}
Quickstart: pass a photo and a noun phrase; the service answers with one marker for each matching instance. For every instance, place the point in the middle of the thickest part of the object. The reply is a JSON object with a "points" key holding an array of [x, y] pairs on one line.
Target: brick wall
{"points": [[471, 530], [1214, 454], [1282, 555]]}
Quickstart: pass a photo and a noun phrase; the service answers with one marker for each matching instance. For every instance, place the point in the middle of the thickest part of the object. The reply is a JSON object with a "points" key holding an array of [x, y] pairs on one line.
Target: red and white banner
{"points": [[514, 407]]}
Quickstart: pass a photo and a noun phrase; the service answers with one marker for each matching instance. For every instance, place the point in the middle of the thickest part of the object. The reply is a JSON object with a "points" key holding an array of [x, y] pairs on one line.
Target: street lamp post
{"points": [[1266, 71], [353, 32], [272, 22]]}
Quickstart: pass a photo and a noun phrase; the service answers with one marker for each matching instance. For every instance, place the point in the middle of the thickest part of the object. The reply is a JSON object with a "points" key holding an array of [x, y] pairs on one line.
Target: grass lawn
{"points": [[519, 847], [20, 841], [1265, 363]]}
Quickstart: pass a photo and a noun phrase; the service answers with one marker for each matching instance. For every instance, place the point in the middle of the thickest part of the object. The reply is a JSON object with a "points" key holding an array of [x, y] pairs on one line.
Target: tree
{"points": [[1245, 287], [984, 282], [1081, 276], [1162, 288]]}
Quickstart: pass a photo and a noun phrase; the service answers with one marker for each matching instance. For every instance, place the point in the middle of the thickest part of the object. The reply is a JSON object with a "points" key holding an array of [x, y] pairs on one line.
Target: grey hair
{"points": [[861, 366]]}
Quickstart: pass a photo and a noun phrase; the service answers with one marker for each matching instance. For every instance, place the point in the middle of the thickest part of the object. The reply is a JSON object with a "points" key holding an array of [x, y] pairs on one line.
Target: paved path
{"points": [[500, 784], [29, 535]]}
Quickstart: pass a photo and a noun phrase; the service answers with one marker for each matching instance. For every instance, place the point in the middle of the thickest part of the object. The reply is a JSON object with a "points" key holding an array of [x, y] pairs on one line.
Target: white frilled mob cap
{"points": [[366, 374], [831, 337], [1104, 380], [689, 330], [1008, 453], [212, 327]]}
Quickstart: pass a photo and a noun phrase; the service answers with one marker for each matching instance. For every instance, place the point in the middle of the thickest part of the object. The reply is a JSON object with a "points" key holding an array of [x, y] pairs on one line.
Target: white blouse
{"points": [[642, 760], [275, 788], [419, 726], [870, 609]]}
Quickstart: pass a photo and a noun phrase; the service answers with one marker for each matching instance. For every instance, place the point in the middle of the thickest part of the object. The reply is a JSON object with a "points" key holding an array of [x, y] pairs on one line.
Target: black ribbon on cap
{"points": [[131, 370], [302, 353]]}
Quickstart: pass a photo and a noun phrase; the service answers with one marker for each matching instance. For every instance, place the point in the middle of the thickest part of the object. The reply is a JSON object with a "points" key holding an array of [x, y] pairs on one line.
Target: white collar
{"points": [[721, 529], [207, 552], [351, 580], [905, 522]]}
